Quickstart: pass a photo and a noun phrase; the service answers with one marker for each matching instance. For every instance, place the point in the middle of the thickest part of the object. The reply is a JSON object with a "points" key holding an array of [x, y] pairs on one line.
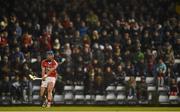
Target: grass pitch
{"points": [[91, 109]]}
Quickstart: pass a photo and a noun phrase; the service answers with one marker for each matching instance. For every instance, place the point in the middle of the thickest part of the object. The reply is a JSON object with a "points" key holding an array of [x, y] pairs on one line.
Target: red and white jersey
{"points": [[48, 64]]}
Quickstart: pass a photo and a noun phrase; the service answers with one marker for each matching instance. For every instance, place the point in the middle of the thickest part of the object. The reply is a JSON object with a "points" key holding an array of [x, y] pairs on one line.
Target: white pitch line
{"points": [[95, 111]]}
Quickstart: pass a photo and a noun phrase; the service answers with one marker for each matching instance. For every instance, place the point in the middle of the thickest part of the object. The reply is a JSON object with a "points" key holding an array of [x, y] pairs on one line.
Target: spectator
{"points": [[49, 28], [87, 54], [109, 76], [130, 70], [142, 92], [128, 43], [4, 24], [70, 31], [146, 40], [66, 21], [56, 46], [36, 66], [157, 39], [78, 75], [140, 68], [18, 30], [83, 29], [86, 39], [110, 62], [26, 42], [67, 51], [3, 40], [92, 18], [14, 44], [16, 89], [139, 56], [99, 81], [169, 76], [89, 73], [97, 51], [150, 62], [117, 38], [169, 57], [36, 48], [127, 56], [18, 54], [5, 67], [161, 70], [16, 69], [12, 27], [77, 57], [117, 53], [5, 87], [177, 44], [45, 42], [7, 53], [173, 88], [95, 37], [67, 71], [77, 40], [105, 38], [131, 88], [26, 89], [108, 51], [25, 69], [120, 75]]}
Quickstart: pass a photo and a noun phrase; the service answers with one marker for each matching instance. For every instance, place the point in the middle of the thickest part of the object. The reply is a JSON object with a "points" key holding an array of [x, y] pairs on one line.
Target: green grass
{"points": [[91, 108]]}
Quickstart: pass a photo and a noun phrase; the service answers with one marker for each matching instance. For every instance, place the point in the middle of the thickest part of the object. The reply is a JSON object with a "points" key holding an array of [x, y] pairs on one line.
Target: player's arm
{"points": [[43, 74], [52, 69]]}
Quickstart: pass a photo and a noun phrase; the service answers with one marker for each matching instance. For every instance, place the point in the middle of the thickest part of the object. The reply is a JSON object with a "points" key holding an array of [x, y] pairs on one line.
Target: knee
{"points": [[49, 90], [41, 94]]}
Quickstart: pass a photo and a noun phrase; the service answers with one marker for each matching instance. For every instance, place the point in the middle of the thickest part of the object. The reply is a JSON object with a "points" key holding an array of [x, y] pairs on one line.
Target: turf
{"points": [[91, 108]]}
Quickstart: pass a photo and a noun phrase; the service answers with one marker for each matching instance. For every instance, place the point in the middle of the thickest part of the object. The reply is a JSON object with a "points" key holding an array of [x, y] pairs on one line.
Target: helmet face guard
{"points": [[49, 53]]}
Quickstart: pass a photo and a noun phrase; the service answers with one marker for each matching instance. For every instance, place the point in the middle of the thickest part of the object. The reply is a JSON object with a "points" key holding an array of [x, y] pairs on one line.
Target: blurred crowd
{"points": [[103, 41]]}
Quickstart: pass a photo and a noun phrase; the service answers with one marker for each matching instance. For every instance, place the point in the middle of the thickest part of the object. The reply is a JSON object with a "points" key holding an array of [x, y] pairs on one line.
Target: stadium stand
{"points": [[116, 51]]}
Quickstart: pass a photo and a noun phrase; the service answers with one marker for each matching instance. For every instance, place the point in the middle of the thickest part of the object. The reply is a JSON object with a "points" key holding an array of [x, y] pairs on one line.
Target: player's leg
{"points": [[50, 90], [42, 93], [42, 96]]}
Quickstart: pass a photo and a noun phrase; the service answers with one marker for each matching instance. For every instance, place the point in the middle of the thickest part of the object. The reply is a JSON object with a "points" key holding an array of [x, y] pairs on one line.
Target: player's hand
{"points": [[44, 77]]}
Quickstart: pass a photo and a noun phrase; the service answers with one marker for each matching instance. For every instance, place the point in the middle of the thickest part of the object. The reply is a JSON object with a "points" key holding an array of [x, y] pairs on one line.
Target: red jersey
{"points": [[48, 64], [3, 41], [27, 40]]}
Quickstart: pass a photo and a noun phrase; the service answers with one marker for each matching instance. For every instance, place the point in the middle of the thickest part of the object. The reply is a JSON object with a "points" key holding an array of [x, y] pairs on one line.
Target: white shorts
{"points": [[48, 80]]}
